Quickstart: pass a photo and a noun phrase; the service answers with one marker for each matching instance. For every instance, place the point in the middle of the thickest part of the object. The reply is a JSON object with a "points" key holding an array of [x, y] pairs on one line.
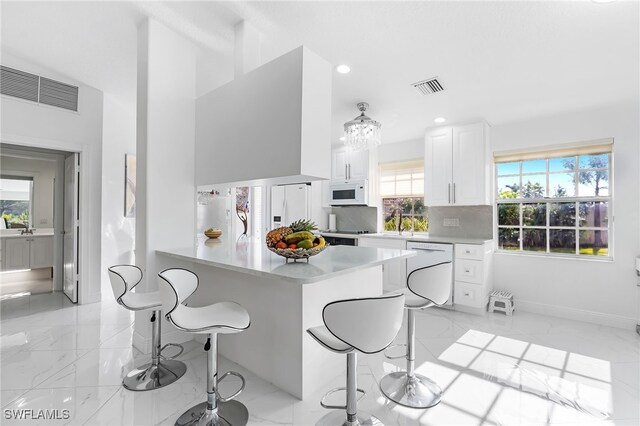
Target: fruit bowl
{"points": [[298, 254], [213, 233]]}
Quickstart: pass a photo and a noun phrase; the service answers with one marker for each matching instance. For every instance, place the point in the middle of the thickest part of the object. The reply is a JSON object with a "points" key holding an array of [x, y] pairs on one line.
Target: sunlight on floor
{"points": [[515, 380]]}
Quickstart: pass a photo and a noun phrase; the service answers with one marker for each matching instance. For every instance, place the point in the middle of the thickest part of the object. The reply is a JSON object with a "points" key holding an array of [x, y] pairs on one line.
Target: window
{"points": [[555, 203], [402, 190], [16, 194]]}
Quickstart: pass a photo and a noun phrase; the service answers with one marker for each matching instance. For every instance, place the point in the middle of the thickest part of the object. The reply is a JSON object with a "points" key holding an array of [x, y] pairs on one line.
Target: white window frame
{"points": [[404, 167], [548, 200]]}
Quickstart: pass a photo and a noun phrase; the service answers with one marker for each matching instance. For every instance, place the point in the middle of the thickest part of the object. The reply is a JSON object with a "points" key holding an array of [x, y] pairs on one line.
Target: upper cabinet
{"points": [[457, 166], [349, 165]]}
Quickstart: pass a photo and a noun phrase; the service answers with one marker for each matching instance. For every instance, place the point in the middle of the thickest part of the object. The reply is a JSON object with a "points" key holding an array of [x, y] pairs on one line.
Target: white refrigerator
{"points": [[290, 203]]}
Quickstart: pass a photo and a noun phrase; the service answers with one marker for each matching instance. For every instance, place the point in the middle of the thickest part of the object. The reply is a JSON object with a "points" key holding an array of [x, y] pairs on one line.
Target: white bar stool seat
{"points": [[426, 287], [176, 285], [161, 371], [367, 325]]}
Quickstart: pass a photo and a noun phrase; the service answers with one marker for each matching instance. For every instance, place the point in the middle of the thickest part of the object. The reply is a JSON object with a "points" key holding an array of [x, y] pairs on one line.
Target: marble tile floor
{"points": [[522, 370]]}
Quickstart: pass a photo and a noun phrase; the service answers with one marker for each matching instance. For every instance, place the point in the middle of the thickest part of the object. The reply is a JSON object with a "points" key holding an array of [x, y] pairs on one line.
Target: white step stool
{"points": [[501, 301]]}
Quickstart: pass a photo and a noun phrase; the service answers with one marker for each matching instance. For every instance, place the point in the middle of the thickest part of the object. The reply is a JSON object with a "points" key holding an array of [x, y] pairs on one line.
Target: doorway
{"points": [[40, 226]]}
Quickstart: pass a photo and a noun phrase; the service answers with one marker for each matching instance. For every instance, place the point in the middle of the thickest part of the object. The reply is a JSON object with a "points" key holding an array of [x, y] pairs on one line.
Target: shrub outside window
{"points": [[16, 194], [557, 206]]}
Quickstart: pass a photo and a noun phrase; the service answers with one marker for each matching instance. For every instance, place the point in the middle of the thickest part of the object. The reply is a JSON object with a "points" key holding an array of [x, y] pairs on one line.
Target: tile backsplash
{"points": [[462, 222], [356, 218]]}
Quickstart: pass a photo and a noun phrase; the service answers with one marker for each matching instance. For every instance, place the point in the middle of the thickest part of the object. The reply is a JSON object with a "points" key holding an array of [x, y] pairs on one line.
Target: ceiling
{"points": [[501, 61]]}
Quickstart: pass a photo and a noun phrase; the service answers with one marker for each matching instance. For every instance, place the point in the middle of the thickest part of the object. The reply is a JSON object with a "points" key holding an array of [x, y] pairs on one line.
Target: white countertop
{"points": [[15, 233], [427, 238], [251, 256]]}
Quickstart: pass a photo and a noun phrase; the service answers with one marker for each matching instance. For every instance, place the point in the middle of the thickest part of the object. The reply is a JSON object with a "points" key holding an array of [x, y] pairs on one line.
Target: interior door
{"points": [[71, 227]]}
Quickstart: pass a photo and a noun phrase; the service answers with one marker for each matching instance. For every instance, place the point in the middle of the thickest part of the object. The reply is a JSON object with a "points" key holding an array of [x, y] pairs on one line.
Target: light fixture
{"points": [[343, 69], [362, 132], [439, 120], [342, 138]]}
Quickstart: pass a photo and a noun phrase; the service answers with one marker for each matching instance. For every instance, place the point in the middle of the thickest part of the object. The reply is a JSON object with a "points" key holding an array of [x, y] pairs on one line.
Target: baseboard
{"points": [[143, 344], [577, 314]]}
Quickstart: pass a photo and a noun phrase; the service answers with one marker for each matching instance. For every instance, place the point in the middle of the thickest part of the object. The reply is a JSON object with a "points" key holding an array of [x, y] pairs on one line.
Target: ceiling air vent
{"points": [[31, 87], [18, 84], [429, 86], [58, 94]]}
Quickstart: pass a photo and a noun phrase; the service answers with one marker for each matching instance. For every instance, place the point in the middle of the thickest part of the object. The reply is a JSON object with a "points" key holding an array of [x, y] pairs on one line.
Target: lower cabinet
{"points": [[394, 273], [27, 253], [472, 275]]}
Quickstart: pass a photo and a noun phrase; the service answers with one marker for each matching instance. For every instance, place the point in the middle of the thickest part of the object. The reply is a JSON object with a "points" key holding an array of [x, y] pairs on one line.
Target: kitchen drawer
{"points": [[469, 251], [468, 295], [470, 271]]}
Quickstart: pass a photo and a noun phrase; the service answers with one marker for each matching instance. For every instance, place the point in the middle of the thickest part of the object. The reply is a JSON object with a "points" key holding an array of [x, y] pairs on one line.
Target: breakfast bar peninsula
{"points": [[283, 300]]}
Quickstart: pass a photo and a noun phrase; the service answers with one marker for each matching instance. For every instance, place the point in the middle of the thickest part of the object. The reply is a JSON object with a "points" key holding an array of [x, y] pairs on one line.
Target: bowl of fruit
{"points": [[213, 233], [296, 241]]}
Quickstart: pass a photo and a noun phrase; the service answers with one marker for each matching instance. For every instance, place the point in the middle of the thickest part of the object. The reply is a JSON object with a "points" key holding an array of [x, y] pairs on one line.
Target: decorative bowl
{"points": [[213, 234], [298, 254]]}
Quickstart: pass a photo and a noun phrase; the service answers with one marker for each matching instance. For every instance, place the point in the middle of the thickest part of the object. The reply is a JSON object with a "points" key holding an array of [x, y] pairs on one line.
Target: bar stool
{"points": [[161, 371], [426, 287], [366, 325], [225, 317]]}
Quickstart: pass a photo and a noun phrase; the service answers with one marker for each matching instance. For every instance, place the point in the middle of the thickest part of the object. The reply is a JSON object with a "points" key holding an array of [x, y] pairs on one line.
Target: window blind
{"points": [[600, 146]]}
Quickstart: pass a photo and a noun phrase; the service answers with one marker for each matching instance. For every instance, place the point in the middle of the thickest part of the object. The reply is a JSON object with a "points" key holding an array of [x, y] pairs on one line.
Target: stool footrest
{"points": [[390, 347], [225, 375], [172, 357], [339, 407]]}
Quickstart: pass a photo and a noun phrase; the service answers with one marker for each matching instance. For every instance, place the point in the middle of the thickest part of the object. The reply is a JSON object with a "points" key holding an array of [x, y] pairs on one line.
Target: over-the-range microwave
{"points": [[354, 193]]}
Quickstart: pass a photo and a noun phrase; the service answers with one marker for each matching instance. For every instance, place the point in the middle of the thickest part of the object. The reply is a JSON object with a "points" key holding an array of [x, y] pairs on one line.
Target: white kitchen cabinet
{"points": [[394, 273], [41, 252], [27, 253], [457, 166], [349, 165], [16, 254], [472, 277]]}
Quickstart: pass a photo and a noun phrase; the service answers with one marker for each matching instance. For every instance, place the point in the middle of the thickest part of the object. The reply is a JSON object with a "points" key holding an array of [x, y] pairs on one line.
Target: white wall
{"points": [[118, 232], [43, 173], [166, 190], [401, 151], [30, 124], [591, 290]]}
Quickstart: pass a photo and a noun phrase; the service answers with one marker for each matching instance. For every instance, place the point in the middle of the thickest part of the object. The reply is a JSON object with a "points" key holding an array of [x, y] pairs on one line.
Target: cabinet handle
{"points": [[349, 171], [346, 173], [449, 191], [467, 270], [468, 251], [454, 193]]}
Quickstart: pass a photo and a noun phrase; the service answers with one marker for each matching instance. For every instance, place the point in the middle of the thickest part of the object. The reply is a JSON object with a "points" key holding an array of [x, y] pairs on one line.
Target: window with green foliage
{"points": [[15, 200], [402, 191], [556, 204]]}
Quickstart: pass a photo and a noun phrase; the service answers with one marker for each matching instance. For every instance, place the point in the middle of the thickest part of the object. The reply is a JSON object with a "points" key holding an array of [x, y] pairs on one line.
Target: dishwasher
{"points": [[430, 254]]}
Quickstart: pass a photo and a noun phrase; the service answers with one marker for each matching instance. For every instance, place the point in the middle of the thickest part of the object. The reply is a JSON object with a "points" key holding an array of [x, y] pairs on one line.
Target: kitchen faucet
{"points": [[27, 230], [399, 226]]}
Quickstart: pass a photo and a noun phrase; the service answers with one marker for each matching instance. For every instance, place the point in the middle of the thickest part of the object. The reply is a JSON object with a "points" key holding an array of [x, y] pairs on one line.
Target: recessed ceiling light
{"points": [[342, 139], [343, 69], [439, 120]]}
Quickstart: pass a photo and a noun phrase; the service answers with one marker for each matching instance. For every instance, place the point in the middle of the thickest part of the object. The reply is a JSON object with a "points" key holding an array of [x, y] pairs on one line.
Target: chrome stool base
{"points": [[230, 413], [336, 418], [149, 376], [415, 392]]}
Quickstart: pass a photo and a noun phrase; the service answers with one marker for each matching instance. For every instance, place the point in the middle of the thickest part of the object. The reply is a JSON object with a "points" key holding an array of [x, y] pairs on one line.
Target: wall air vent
{"points": [[31, 87], [19, 84], [58, 94], [429, 86]]}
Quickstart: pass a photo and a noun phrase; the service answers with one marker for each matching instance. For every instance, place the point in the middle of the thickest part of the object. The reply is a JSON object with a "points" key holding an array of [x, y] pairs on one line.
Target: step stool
{"points": [[501, 301]]}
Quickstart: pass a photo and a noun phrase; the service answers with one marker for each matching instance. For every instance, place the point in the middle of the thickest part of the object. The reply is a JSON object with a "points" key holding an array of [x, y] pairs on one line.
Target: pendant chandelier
{"points": [[362, 132]]}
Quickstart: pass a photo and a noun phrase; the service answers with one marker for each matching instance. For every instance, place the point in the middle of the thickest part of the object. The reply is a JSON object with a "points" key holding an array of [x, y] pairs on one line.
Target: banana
{"points": [[320, 241], [296, 237]]}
